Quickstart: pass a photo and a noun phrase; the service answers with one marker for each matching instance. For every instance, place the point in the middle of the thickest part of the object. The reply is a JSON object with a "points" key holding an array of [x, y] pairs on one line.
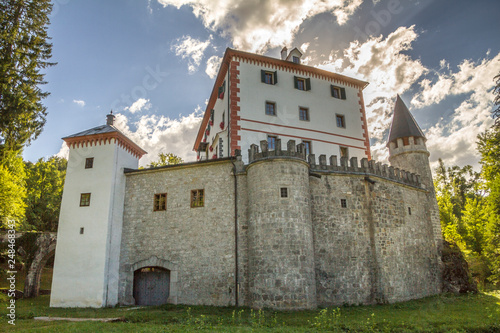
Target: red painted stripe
{"points": [[302, 138], [302, 129]]}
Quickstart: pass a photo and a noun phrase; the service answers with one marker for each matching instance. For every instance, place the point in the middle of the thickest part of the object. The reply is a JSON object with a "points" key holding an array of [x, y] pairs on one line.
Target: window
{"points": [[304, 114], [82, 231], [338, 92], [89, 163], [84, 199], [197, 198], [340, 120], [406, 141], [270, 108], [271, 142], [409, 210], [344, 152], [343, 203], [302, 83], [307, 147], [160, 202], [268, 77], [296, 59], [284, 192]]}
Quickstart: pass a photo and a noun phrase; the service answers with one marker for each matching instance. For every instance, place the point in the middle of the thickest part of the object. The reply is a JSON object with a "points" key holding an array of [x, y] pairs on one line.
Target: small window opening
{"points": [[160, 202], [284, 192], [271, 142], [340, 120], [343, 203], [197, 198], [81, 231], [409, 210], [406, 141], [84, 199], [89, 163]]}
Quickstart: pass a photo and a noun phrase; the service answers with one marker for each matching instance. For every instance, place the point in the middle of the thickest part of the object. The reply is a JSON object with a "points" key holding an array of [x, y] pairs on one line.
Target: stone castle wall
{"points": [[197, 244], [345, 234]]}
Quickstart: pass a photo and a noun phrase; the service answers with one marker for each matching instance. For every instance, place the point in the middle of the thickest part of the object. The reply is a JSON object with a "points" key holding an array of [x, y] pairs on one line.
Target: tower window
{"points": [[303, 114], [338, 92], [340, 120], [84, 199], [89, 163], [302, 83], [409, 210], [197, 198], [82, 231], [268, 77], [271, 142], [160, 202], [343, 203], [284, 192], [270, 108]]}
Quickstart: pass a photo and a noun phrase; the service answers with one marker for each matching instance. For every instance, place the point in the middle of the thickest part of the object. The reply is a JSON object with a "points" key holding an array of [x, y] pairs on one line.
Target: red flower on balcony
{"points": [[211, 148], [222, 125], [214, 157]]}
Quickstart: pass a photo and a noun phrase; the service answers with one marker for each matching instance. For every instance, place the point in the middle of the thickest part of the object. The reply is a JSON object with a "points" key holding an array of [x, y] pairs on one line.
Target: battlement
{"points": [[346, 165]]}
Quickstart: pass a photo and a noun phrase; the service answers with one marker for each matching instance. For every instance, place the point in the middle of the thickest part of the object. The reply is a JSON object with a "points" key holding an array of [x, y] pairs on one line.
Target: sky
{"points": [[153, 62]]}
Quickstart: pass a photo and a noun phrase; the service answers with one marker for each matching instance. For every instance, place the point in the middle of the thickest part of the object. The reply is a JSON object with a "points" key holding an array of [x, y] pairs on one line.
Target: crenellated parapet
{"points": [[333, 164]]}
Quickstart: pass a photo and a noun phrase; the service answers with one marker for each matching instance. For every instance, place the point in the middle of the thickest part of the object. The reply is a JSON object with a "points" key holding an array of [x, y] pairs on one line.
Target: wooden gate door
{"points": [[151, 286]]}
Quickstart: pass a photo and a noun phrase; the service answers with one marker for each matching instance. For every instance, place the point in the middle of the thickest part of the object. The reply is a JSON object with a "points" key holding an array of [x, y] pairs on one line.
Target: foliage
{"points": [[463, 209], [24, 53], [489, 148], [166, 159], [12, 189], [45, 181]]}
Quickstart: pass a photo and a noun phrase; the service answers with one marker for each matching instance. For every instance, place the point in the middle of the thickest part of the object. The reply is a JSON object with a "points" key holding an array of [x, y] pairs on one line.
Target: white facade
{"points": [[89, 237], [242, 110]]}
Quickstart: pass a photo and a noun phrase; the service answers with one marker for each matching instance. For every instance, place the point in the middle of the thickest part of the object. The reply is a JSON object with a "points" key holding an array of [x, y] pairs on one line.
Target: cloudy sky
{"points": [[153, 63]]}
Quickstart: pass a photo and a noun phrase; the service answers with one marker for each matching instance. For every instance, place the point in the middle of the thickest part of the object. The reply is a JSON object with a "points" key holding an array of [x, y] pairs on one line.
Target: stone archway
{"points": [[45, 249], [172, 268]]}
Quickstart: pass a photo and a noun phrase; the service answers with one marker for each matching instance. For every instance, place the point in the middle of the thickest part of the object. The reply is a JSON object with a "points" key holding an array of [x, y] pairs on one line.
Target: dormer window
{"points": [[296, 60]]}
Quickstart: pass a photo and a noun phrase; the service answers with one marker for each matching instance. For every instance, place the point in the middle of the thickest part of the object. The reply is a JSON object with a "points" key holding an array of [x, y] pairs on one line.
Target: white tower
{"points": [[90, 223]]}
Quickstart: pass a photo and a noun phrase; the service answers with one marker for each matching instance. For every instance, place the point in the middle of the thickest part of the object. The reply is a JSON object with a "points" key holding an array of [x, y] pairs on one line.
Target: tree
{"points": [[166, 159], [12, 189], [24, 53], [44, 183], [489, 148]]}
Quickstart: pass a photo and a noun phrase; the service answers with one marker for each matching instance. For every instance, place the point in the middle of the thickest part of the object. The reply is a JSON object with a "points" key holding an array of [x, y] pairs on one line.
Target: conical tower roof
{"points": [[403, 123]]}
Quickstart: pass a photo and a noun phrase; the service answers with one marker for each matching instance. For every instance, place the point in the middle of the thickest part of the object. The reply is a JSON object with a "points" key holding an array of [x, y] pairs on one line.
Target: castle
{"points": [[304, 219]]}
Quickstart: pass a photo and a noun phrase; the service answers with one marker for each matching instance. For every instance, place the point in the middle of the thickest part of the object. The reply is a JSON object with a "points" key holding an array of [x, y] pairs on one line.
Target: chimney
{"points": [[284, 53], [110, 118]]}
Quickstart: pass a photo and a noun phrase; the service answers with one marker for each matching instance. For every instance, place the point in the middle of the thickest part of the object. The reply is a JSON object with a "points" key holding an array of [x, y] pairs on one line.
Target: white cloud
{"points": [[256, 25], [139, 105], [213, 65], [383, 64], [470, 77], [191, 48], [79, 102], [157, 134]]}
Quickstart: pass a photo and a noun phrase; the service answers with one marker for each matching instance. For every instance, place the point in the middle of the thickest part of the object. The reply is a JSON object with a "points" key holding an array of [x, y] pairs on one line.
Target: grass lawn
{"points": [[443, 313]]}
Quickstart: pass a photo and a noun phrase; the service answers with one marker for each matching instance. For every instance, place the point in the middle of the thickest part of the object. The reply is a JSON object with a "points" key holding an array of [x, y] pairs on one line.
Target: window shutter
{"points": [[295, 82], [342, 93], [262, 76], [332, 88], [275, 77], [308, 84]]}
